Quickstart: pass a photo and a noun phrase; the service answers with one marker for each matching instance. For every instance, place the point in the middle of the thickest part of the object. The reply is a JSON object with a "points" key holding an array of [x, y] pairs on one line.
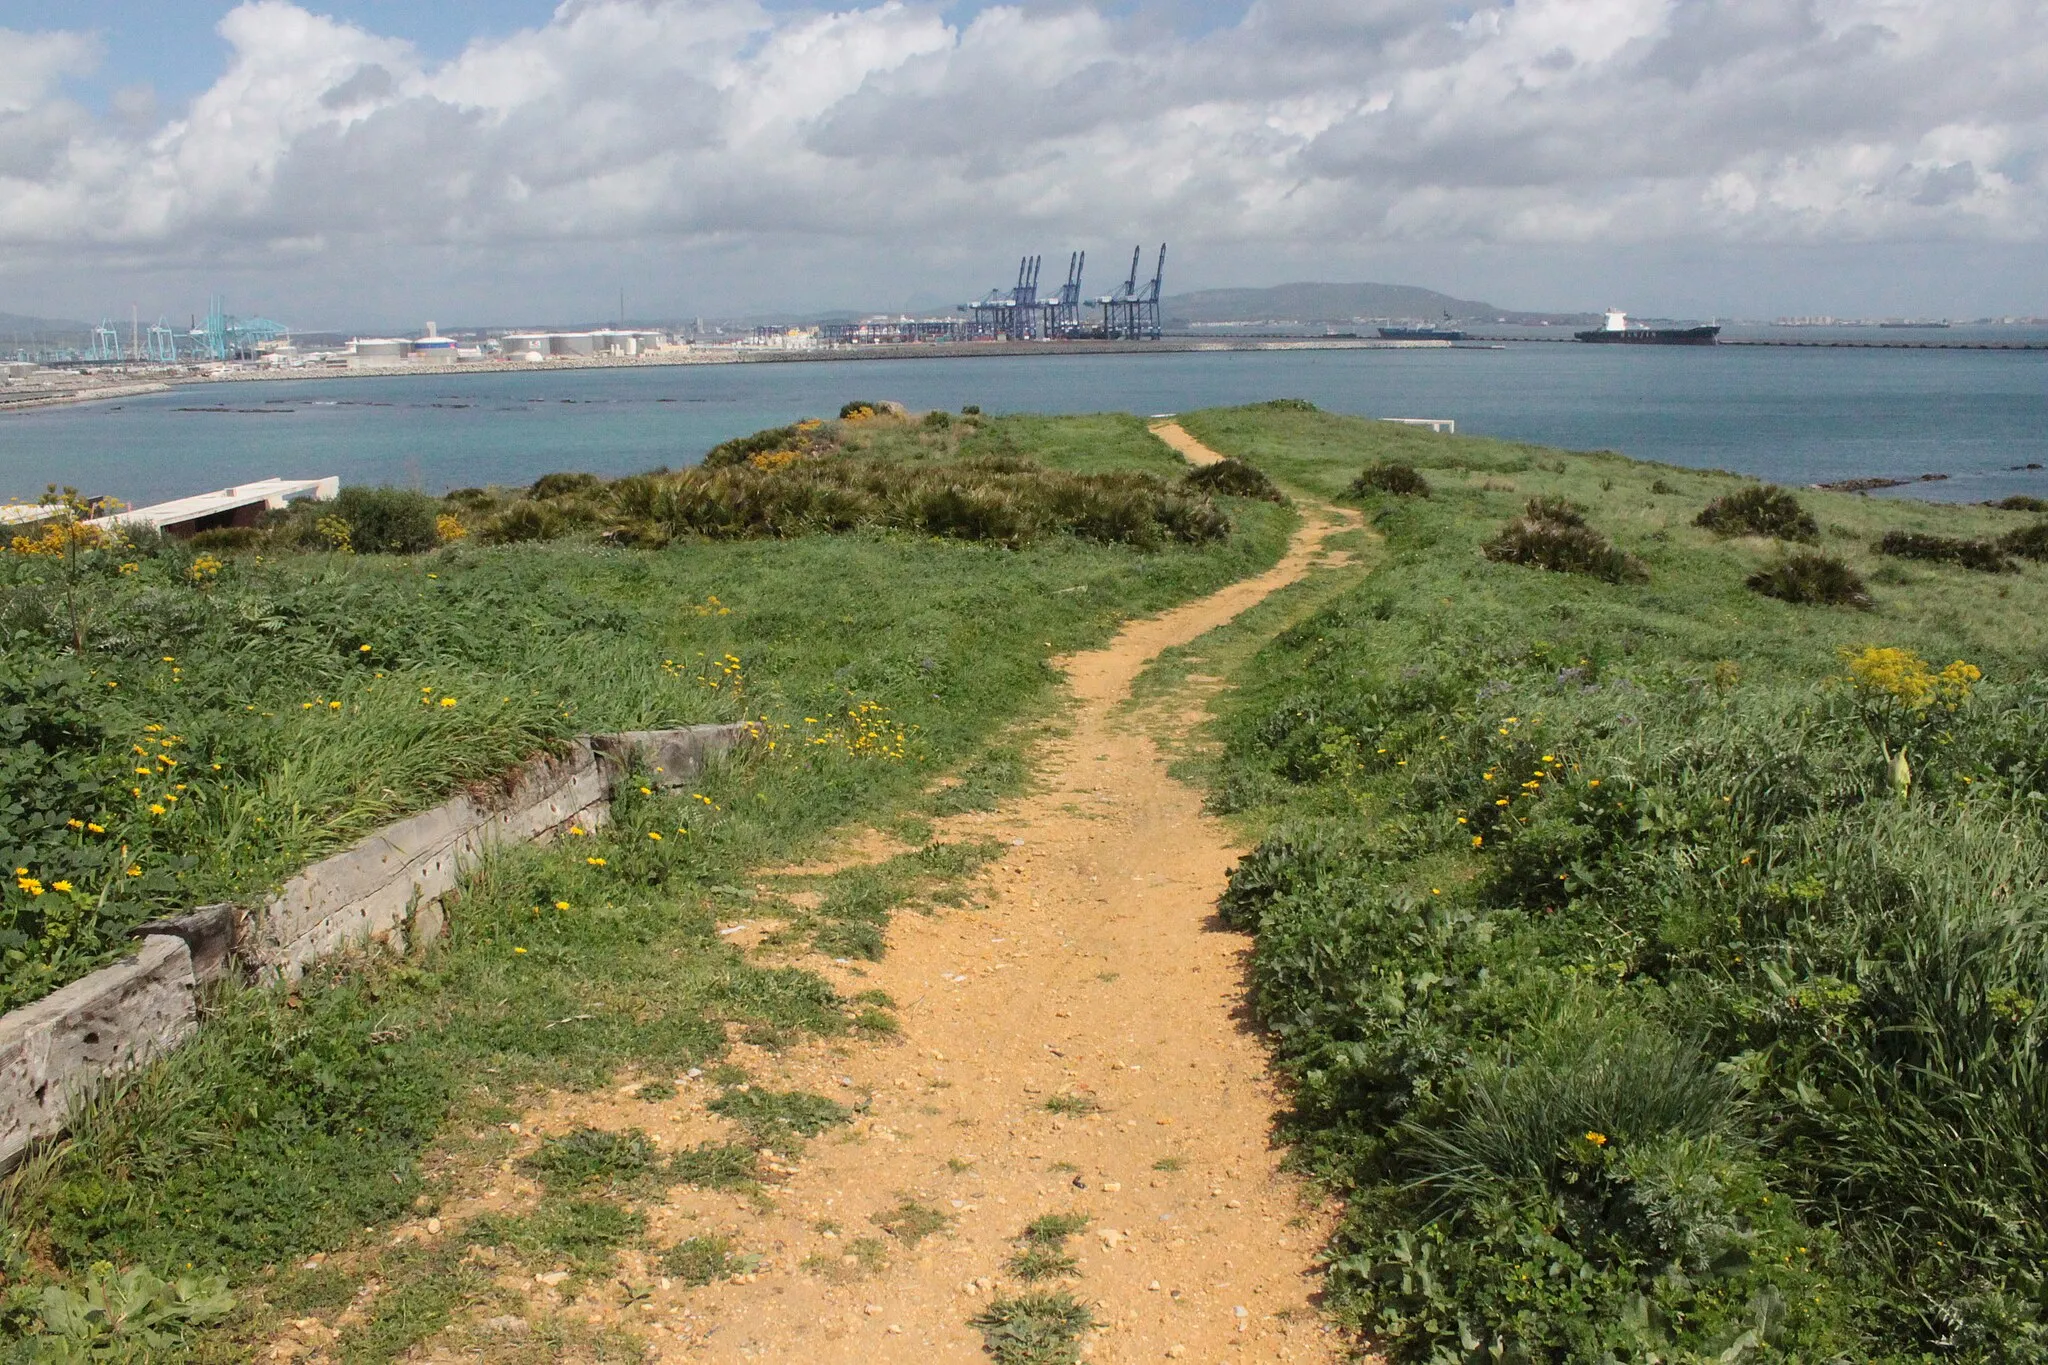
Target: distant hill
{"points": [[14, 325], [1309, 304]]}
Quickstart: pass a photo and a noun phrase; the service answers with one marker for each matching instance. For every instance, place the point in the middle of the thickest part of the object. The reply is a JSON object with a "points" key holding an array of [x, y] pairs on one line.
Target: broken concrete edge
{"points": [[57, 1051]]}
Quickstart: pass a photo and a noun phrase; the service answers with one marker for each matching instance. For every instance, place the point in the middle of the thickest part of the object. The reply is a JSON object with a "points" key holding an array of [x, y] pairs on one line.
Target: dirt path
{"points": [[1093, 970]]}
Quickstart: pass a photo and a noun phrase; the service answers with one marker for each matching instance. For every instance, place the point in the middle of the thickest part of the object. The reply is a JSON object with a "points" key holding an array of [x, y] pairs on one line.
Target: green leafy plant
{"points": [[1034, 1329], [132, 1315]]}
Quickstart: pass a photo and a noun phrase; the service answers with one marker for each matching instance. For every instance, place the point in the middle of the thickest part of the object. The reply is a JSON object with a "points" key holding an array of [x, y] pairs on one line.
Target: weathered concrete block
{"points": [[210, 933], [371, 890], [64, 1045], [672, 757], [387, 887]]}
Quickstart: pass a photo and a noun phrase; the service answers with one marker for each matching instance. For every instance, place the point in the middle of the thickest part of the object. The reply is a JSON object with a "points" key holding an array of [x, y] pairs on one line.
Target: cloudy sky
{"points": [[358, 162]]}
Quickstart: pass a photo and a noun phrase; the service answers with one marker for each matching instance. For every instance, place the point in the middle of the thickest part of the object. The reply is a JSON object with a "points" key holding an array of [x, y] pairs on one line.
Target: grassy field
{"points": [[1658, 966], [304, 696]]}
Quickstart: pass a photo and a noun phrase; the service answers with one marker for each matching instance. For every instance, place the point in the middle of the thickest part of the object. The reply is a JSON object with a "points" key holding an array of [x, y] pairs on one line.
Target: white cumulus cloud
{"points": [[702, 126]]}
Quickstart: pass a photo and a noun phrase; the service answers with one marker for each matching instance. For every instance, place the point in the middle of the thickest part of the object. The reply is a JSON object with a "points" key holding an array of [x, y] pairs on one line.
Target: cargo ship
{"points": [[1424, 332], [1618, 330]]}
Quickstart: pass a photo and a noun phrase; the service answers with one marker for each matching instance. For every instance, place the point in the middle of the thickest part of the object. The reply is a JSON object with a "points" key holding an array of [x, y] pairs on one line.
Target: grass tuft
{"points": [[1233, 478], [1552, 534], [1761, 510], [1401, 480], [1811, 580], [910, 1222], [697, 1261], [1981, 555]]}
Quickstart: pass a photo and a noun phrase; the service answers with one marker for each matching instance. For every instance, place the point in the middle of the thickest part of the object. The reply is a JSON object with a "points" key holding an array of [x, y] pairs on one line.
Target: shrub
{"points": [[1004, 502], [938, 419], [862, 408], [559, 485], [1399, 479], [1287, 405], [523, 521], [387, 520], [227, 538], [1233, 478], [1552, 534], [1563, 511], [1760, 510], [2029, 542], [1980, 555], [741, 448], [1811, 580], [2020, 502]]}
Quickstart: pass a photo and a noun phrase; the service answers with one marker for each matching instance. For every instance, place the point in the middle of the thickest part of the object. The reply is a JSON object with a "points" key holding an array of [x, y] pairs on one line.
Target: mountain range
{"points": [[1308, 303]]}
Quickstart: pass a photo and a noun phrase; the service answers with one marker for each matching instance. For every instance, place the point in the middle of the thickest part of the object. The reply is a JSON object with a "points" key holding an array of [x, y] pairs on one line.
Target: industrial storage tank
{"points": [[572, 343], [382, 348]]}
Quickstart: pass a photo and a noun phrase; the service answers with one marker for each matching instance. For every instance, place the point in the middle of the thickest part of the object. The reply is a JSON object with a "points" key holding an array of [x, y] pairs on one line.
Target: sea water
{"points": [[1792, 415]]}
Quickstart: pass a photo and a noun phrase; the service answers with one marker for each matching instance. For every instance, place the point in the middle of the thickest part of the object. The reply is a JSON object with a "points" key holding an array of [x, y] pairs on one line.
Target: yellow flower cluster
{"points": [[204, 570], [449, 528], [862, 729], [859, 414], [59, 537], [711, 606], [775, 459], [1902, 676]]}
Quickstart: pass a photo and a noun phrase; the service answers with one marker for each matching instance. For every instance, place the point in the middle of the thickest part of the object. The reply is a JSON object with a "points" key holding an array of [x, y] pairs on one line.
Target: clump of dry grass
{"points": [[1552, 534]]}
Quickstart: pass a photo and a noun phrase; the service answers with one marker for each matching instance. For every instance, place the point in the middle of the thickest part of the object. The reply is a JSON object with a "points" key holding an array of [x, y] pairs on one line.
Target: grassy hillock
{"points": [[280, 701], [1660, 966]]}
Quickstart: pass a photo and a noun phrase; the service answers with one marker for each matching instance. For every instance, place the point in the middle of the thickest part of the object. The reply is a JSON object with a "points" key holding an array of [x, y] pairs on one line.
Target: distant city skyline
{"points": [[375, 163]]}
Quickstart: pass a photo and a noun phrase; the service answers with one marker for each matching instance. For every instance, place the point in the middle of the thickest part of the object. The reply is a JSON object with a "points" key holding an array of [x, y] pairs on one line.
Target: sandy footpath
{"points": [[1091, 967]]}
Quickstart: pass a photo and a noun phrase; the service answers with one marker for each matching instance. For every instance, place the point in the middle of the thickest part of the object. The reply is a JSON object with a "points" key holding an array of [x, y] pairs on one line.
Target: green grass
{"points": [[1041, 1253], [310, 1120], [910, 1222], [289, 702], [698, 1261], [1636, 1003]]}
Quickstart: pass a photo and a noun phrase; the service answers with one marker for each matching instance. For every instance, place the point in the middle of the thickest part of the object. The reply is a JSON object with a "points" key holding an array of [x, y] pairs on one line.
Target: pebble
{"points": [[551, 1278]]}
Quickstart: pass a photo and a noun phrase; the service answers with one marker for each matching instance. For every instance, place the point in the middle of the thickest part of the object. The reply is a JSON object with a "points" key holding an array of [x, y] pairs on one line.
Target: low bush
{"points": [[743, 448], [560, 485], [2020, 502], [1760, 510], [386, 520], [1980, 555], [1006, 502], [1640, 1005], [2029, 542], [1233, 478], [1552, 534], [1811, 580], [1398, 479]]}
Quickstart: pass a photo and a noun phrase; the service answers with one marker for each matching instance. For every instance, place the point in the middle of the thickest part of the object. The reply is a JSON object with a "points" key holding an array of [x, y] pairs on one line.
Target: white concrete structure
{"points": [[241, 505]]}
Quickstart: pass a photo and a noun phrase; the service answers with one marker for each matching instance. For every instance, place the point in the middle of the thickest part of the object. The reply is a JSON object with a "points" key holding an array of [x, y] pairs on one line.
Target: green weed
{"points": [[1034, 1329], [698, 1261], [1072, 1104], [910, 1222], [717, 1166], [585, 1232]]}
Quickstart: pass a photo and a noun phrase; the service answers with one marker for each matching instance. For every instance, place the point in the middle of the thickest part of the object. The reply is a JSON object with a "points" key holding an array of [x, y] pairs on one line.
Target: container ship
{"points": [[1618, 330]]}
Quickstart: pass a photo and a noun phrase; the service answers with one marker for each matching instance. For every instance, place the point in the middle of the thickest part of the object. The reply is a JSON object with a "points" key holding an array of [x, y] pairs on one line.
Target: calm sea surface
{"points": [[1792, 415]]}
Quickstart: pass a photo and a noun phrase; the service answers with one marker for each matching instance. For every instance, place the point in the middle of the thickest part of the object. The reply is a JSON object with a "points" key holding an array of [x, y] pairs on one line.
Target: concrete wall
{"points": [[387, 889]]}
